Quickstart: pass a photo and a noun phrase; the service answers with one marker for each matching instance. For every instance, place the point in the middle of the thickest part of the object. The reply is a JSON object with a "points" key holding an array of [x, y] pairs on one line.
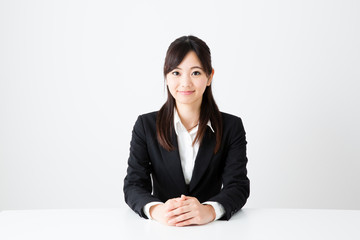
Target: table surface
{"points": [[122, 223]]}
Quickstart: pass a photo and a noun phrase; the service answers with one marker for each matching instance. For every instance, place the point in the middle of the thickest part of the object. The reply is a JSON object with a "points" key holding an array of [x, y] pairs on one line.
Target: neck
{"points": [[189, 115]]}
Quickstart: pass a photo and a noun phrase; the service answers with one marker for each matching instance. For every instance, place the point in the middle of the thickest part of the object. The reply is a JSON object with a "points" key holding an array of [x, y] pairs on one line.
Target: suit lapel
{"points": [[171, 160], [203, 158]]}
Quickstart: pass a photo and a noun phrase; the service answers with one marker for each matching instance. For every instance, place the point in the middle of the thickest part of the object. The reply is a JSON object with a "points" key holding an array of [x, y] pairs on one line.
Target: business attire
{"points": [[156, 175], [187, 152]]}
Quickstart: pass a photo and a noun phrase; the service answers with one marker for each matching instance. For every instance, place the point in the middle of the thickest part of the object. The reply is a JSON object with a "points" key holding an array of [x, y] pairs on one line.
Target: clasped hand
{"points": [[182, 211]]}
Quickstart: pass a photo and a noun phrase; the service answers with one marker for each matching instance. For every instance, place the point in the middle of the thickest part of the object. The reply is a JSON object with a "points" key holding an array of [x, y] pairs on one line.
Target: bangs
{"points": [[175, 55], [182, 46]]}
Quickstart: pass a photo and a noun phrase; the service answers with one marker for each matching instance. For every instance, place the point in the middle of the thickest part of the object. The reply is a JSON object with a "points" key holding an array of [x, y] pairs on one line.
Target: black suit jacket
{"points": [[155, 174]]}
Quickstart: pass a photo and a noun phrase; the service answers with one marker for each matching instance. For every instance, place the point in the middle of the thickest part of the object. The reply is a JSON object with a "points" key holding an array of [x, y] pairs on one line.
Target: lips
{"points": [[186, 92]]}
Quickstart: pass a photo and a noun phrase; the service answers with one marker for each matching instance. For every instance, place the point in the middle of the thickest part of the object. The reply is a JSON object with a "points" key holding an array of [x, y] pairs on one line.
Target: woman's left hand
{"points": [[191, 212]]}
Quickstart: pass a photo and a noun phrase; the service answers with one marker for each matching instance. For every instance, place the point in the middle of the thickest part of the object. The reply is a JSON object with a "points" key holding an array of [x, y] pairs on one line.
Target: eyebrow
{"points": [[190, 68]]}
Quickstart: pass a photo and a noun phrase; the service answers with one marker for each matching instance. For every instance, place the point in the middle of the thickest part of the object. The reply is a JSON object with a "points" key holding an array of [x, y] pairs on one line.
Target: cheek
{"points": [[171, 86], [201, 85]]}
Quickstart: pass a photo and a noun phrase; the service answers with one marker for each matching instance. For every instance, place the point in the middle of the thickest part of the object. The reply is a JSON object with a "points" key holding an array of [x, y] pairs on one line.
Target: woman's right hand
{"points": [[159, 212]]}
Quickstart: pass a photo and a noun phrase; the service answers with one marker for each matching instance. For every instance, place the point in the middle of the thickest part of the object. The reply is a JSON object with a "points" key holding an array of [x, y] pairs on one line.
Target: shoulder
{"points": [[148, 116], [146, 120], [231, 122], [229, 118]]}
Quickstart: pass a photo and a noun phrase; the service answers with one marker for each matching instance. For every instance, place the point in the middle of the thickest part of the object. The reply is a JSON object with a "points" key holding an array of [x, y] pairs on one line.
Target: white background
{"points": [[74, 76]]}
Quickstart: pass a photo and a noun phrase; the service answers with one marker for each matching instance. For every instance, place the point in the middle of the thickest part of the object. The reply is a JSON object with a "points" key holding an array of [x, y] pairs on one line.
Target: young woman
{"points": [[187, 162]]}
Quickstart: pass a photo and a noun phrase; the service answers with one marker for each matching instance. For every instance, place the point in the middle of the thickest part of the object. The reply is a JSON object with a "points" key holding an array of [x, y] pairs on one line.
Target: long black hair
{"points": [[208, 110]]}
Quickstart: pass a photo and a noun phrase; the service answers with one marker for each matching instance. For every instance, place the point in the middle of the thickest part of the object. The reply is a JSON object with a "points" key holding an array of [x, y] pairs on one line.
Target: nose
{"points": [[186, 80]]}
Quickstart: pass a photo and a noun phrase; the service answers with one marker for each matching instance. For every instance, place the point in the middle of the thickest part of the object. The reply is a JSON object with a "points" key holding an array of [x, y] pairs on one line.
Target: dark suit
{"points": [[220, 177]]}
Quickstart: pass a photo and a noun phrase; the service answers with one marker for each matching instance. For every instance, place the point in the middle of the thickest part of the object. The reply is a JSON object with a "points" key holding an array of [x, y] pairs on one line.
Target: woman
{"points": [[187, 162]]}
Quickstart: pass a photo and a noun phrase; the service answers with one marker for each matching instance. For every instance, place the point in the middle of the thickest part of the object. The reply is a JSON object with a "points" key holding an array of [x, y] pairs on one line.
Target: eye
{"points": [[175, 73], [196, 73]]}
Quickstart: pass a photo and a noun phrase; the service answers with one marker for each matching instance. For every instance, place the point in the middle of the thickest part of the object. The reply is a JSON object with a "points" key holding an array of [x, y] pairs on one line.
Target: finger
{"points": [[185, 223], [181, 218], [178, 211], [189, 201], [172, 204], [181, 198]]}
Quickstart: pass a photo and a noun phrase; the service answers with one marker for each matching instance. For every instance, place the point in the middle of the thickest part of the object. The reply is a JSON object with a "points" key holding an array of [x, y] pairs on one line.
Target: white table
{"points": [[122, 223]]}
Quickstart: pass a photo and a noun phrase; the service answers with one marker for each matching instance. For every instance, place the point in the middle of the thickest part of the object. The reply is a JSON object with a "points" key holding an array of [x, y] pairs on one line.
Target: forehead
{"points": [[190, 60]]}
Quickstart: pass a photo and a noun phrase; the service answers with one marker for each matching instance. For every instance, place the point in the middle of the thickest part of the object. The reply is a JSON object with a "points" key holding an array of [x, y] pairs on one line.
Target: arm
{"points": [[236, 185], [137, 183]]}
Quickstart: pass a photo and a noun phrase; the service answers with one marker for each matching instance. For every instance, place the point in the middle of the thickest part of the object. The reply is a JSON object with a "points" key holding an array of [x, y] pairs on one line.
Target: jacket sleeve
{"points": [[137, 183], [236, 185]]}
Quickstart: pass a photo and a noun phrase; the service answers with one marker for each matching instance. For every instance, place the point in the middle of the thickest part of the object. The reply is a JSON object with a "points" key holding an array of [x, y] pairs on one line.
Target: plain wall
{"points": [[74, 76]]}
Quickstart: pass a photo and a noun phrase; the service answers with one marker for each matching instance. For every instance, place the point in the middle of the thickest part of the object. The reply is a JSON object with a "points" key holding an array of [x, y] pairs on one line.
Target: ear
{"points": [[210, 78]]}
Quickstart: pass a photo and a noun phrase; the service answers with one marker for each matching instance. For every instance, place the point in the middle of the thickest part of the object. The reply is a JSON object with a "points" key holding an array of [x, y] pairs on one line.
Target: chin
{"points": [[187, 102]]}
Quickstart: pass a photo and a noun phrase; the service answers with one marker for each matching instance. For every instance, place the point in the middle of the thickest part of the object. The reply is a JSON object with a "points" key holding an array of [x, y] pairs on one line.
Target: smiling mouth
{"points": [[186, 92]]}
